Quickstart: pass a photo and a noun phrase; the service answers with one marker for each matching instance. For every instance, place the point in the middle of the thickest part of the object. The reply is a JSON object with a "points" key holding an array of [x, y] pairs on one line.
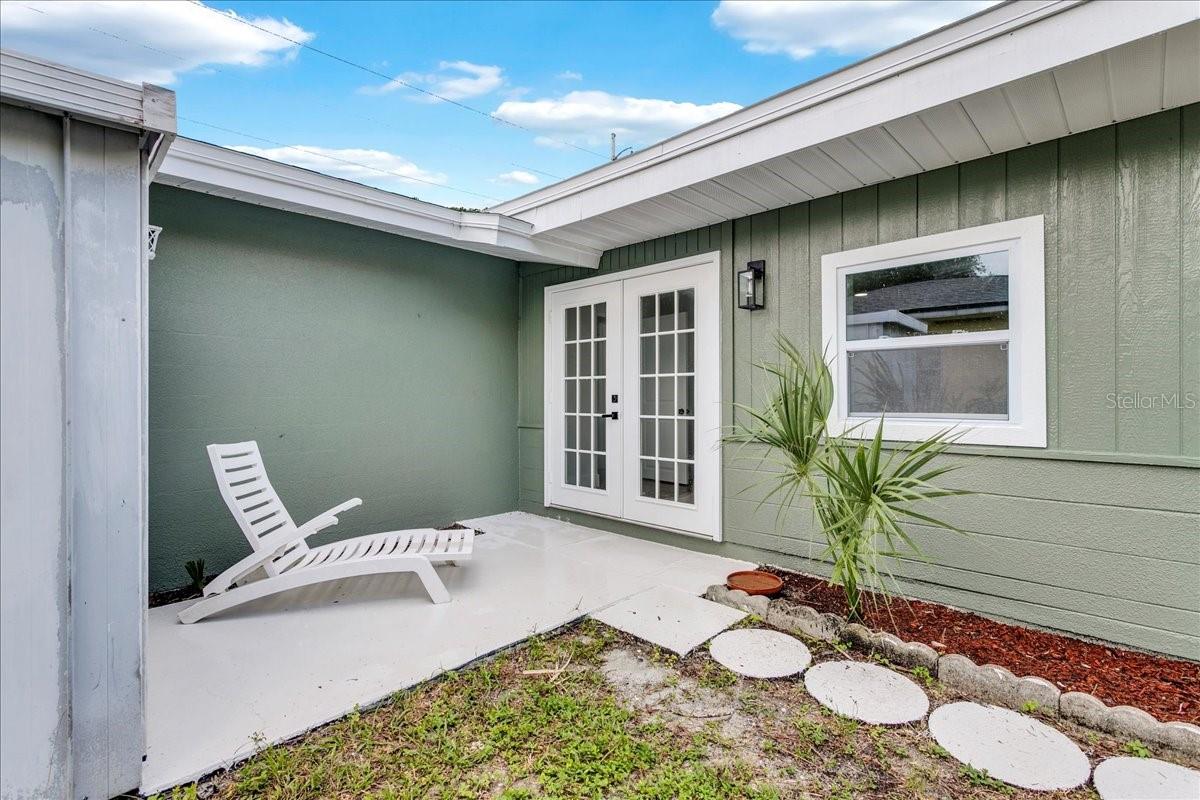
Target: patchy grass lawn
{"points": [[591, 713]]}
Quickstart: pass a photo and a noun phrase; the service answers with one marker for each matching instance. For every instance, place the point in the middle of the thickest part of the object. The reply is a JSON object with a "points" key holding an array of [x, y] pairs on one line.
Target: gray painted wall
{"points": [[365, 364], [1099, 534], [71, 540]]}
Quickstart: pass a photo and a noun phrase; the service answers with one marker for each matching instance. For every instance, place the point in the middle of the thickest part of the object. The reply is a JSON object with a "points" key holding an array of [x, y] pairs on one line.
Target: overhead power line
{"points": [[538, 171], [375, 120], [397, 79]]}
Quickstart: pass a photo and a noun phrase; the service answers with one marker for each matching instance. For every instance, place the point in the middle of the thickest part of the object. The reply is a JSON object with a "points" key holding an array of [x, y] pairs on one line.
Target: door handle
{"points": [[612, 415]]}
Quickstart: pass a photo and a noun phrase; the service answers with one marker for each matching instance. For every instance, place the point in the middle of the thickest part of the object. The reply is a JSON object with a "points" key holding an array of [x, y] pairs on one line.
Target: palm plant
{"points": [[862, 493]]}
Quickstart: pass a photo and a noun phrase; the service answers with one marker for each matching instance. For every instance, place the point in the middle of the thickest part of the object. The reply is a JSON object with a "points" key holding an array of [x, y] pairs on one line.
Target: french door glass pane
{"points": [[687, 303], [666, 311], [648, 396], [585, 470], [667, 358], [687, 483], [585, 366], [666, 353], [647, 315]]}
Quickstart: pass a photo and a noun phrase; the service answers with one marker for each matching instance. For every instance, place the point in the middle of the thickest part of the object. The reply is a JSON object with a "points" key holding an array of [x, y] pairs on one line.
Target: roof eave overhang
{"points": [[57, 89], [223, 172], [994, 49]]}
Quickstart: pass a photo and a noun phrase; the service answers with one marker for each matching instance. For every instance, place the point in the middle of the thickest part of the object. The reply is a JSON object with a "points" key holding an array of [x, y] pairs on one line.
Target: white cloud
{"points": [[845, 27], [518, 176], [569, 75], [145, 41], [375, 167], [589, 117], [454, 80]]}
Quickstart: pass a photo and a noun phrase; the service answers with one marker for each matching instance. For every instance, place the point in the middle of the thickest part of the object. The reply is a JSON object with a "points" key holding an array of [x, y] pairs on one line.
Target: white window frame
{"points": [[1026, 334]]}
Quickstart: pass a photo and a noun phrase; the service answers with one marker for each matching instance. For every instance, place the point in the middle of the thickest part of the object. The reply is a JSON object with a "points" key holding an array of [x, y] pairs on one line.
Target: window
{"points": [[939, 331]]}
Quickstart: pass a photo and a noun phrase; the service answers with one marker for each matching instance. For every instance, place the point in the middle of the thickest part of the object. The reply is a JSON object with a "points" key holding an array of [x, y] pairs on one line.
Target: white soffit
{"points": [[1017, 74], [202, 167]]}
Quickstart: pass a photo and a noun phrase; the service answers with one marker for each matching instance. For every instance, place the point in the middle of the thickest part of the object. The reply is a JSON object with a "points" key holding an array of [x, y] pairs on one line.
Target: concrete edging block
{"points": [[989, 683]]}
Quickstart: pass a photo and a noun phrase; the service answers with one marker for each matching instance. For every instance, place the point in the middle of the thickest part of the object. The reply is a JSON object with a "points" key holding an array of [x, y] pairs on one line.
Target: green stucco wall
{"points": [[365, 364], [1099, 534]]}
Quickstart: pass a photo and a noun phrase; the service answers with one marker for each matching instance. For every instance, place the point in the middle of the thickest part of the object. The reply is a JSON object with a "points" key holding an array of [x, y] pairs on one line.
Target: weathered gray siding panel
{"points": [[34, 547], [365, 364], [1100, 533], [71, 542], [105, 408]]}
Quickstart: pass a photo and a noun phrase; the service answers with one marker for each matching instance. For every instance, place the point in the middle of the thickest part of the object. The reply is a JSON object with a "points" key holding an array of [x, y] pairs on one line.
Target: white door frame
{"points": [[708, 358]]}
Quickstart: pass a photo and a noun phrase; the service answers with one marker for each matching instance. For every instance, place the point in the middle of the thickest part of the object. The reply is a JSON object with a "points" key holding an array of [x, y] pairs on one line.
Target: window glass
{"points": [[963, 381], [952, 295]]}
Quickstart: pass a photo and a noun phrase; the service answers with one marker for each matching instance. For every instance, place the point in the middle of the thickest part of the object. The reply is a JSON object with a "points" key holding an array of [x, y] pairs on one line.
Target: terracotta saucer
{"points": [[754, 581]]}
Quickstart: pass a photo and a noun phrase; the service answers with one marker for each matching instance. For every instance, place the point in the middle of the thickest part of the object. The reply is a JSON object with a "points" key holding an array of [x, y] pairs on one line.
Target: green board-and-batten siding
{"points": [[365, 364], [1099, 533]]}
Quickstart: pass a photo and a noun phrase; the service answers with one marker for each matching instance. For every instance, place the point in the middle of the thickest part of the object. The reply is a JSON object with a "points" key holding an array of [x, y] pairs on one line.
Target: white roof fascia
{"points": [[57, 89], [220, 171], [995, 47], [37, 83]]}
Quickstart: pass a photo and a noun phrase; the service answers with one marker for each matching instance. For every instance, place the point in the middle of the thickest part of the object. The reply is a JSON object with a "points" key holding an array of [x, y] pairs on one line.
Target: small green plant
{"points": [[935, 749], [1136, 749], [1031, 706], [195, 571], [924, 676], [980, 777], [862, 497], [714, 676], [811, 732]]}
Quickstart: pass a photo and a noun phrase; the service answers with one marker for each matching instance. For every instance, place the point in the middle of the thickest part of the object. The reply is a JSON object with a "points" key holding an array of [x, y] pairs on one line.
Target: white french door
{"points": [[583, 397], [633, 396]]}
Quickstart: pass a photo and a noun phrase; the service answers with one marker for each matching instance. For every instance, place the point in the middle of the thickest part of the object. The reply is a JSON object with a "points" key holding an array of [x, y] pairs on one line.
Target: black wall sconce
{"points": [[752, 286]]}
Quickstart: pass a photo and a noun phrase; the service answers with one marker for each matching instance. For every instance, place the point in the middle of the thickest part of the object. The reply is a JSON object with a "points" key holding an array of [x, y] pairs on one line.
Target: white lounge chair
{"points": [[289, 563]]}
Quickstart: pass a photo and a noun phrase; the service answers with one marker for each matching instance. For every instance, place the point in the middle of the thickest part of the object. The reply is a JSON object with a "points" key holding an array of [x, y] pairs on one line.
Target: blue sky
{"points": [[568, 73]]}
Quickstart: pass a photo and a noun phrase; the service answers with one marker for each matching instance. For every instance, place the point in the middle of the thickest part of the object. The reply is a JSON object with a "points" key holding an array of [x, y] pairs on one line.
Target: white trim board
{"points": [[44, 85], [220, 171]]}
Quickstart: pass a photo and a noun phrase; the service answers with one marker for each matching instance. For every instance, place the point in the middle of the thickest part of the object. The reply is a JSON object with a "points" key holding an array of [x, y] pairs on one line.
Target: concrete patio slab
{"points": [[669, 618], [1012, 747], [220, 689]]}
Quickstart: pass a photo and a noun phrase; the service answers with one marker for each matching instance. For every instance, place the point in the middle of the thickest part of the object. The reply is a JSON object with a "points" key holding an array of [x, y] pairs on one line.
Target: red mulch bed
{"points": [[1168, 688]]}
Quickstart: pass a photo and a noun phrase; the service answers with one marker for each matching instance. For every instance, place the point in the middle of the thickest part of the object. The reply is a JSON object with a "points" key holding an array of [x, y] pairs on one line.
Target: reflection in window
{"points": [[954, 295], [968, 381]]}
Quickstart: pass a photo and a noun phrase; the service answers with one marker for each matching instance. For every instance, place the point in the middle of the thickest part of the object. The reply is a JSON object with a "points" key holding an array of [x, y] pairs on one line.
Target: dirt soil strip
{"points": [[1168, 688]]}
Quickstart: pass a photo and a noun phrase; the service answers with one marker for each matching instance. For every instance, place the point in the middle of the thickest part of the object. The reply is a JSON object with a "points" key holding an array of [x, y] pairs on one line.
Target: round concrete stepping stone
{"points": [[1126, 778], [1011, 747], [867, 692], [758, 653]]}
